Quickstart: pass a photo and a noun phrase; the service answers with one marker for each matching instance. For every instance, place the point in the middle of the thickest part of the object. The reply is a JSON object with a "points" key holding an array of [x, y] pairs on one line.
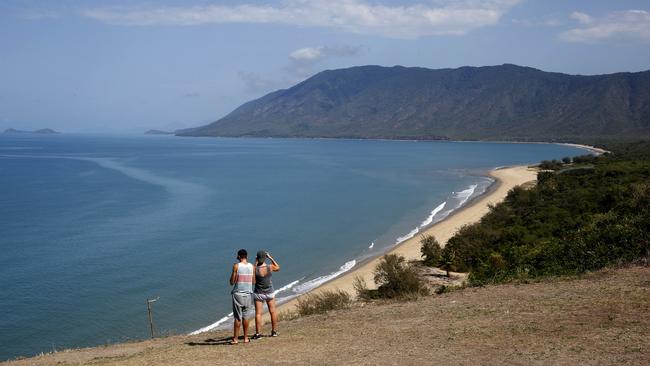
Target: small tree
{"points": [[447, 261], [431, 250], [566, 160], [396, 279]]}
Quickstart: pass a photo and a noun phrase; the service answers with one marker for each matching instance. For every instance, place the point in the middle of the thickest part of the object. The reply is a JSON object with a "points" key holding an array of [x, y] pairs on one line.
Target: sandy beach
{"points": [[506, 179], [593, 149]]}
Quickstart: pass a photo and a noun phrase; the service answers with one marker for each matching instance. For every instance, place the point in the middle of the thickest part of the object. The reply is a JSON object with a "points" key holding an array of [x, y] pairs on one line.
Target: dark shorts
{"points": [[242, 305]]}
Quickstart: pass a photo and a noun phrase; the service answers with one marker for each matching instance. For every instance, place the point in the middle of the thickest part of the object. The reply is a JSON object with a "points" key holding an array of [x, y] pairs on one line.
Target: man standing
{"points": [[242, 279]]}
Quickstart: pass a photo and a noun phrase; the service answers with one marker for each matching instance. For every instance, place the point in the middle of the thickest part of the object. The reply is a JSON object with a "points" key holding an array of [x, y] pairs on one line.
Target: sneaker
{"points": [[274, 334], [256, 336]]}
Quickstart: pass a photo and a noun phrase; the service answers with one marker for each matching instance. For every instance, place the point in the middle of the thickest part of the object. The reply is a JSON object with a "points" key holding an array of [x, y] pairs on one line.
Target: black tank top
{"points": [[263, 284]]}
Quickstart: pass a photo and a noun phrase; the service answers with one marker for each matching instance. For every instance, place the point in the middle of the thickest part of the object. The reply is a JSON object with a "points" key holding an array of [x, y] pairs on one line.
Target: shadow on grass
{"points": [[216, 342]]}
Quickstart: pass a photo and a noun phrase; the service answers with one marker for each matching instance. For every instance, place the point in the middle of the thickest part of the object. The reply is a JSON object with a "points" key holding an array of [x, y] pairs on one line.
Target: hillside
{"points": [[599, 319], [506, 102]]}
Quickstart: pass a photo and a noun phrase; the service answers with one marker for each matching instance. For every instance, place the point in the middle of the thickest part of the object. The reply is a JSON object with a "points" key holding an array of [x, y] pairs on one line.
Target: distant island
{"points": [[158, 132], [43, 131], [506, 102]]}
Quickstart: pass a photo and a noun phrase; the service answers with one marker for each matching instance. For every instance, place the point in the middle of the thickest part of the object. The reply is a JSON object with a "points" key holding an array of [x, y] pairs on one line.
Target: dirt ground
{"points": [[602, 318]]}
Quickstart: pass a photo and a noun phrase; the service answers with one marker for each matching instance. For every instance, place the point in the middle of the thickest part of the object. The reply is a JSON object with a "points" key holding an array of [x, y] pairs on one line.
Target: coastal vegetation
{"points": [[431, 251], [395, 279], [582, 215]]}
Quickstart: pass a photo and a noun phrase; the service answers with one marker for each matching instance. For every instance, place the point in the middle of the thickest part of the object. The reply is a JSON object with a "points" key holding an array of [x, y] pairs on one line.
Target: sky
{"points": [[128, 66]]}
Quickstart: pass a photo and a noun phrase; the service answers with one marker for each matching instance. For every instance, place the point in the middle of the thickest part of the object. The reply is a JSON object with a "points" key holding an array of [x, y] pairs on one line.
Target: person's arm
{"points": [[254, 275], [275, 267], [233, 275]]}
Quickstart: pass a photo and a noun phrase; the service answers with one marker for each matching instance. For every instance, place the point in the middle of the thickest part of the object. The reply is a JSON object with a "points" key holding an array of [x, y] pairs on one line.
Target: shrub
{"points": [[550, 165], [584, 159], [362, 290], [396, 279], [322, 302], [566, 160], [431, 250], [447, 262]]}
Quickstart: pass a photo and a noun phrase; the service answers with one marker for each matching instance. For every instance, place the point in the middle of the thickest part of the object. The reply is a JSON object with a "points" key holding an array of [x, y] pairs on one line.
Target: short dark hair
{"points": [[242, 253]]}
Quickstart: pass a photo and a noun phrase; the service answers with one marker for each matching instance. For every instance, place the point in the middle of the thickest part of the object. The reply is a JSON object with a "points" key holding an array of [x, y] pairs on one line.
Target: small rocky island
{"points": [[43, 131], [158, 132]]}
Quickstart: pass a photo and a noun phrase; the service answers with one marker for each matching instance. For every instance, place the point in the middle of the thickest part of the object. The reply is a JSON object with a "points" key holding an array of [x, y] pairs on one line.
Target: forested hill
{"points": [[506, 102]]}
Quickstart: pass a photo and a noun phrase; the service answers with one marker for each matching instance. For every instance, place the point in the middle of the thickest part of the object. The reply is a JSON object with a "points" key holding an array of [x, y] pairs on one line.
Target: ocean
{"points": [[91, 226]]}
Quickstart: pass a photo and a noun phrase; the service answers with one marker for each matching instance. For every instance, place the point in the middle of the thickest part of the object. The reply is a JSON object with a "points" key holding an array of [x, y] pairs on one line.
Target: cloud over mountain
{"points": [[628, 24]]}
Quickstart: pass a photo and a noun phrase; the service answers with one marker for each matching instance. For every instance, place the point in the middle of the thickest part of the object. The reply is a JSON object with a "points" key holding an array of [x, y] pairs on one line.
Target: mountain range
{"points": [[506, 102]]}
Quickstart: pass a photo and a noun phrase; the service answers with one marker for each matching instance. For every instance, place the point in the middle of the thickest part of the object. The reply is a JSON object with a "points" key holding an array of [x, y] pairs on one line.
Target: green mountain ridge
{"points": [[506, 102]]}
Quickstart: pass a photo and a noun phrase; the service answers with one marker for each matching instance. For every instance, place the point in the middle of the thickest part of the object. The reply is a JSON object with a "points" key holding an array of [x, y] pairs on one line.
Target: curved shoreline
{"points": [[505, 179]]}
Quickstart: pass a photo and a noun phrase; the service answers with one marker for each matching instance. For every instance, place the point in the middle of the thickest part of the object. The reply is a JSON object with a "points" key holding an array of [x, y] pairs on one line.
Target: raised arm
{"points": [[233, 275], [275, 267]]}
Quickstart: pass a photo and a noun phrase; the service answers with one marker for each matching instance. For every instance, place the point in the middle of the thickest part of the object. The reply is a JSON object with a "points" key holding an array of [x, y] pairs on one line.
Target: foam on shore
{"points": [[312, 284], [463, 196], [297, 288]]}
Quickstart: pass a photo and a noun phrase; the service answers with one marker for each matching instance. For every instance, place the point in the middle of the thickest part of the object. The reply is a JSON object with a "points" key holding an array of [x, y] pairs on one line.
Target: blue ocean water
{"points": [[91, 226]]}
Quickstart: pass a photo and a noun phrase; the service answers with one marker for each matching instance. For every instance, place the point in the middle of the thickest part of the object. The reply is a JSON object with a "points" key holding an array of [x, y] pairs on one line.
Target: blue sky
{"points": [[127, 66]]}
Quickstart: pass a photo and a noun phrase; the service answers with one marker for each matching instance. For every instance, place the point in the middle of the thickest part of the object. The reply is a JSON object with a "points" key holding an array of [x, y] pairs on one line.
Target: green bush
{"points": [[396, 279], [550, 165], [431, 250], [322, 302]]}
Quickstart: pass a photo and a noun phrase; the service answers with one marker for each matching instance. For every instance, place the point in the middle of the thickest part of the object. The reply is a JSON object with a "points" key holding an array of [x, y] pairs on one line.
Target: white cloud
{"points": [[628, 24], [581, 17], [546, 22], [303, 63], [310, 54], [307, 53], [304, 60], [442, 17]]}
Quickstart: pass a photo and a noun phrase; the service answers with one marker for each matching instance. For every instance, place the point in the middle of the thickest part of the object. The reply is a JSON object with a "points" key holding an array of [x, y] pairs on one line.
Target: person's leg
{"points": [[274, 314], [235, 336], [247, 312], [237, 314], [246, 322], [259, 308]]}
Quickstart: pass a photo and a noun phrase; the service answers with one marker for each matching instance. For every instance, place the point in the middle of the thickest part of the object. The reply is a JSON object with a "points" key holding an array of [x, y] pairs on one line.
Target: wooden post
{"points": [[149, 301]]}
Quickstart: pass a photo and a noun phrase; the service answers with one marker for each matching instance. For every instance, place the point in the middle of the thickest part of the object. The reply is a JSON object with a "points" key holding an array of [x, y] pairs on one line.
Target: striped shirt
{"points": [[244, 278]]}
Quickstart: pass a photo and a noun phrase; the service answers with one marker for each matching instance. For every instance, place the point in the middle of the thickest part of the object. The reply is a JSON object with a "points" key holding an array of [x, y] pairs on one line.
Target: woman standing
{"points": [[264, 292]]}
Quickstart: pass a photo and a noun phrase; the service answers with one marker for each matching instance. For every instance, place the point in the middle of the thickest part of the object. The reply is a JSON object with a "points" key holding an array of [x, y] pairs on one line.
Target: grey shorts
{"points": [[264, 297], [242, 305]]}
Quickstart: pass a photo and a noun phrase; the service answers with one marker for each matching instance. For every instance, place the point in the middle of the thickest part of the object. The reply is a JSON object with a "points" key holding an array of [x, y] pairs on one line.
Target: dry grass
{"points": [[600, 319], [322, 302]]}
